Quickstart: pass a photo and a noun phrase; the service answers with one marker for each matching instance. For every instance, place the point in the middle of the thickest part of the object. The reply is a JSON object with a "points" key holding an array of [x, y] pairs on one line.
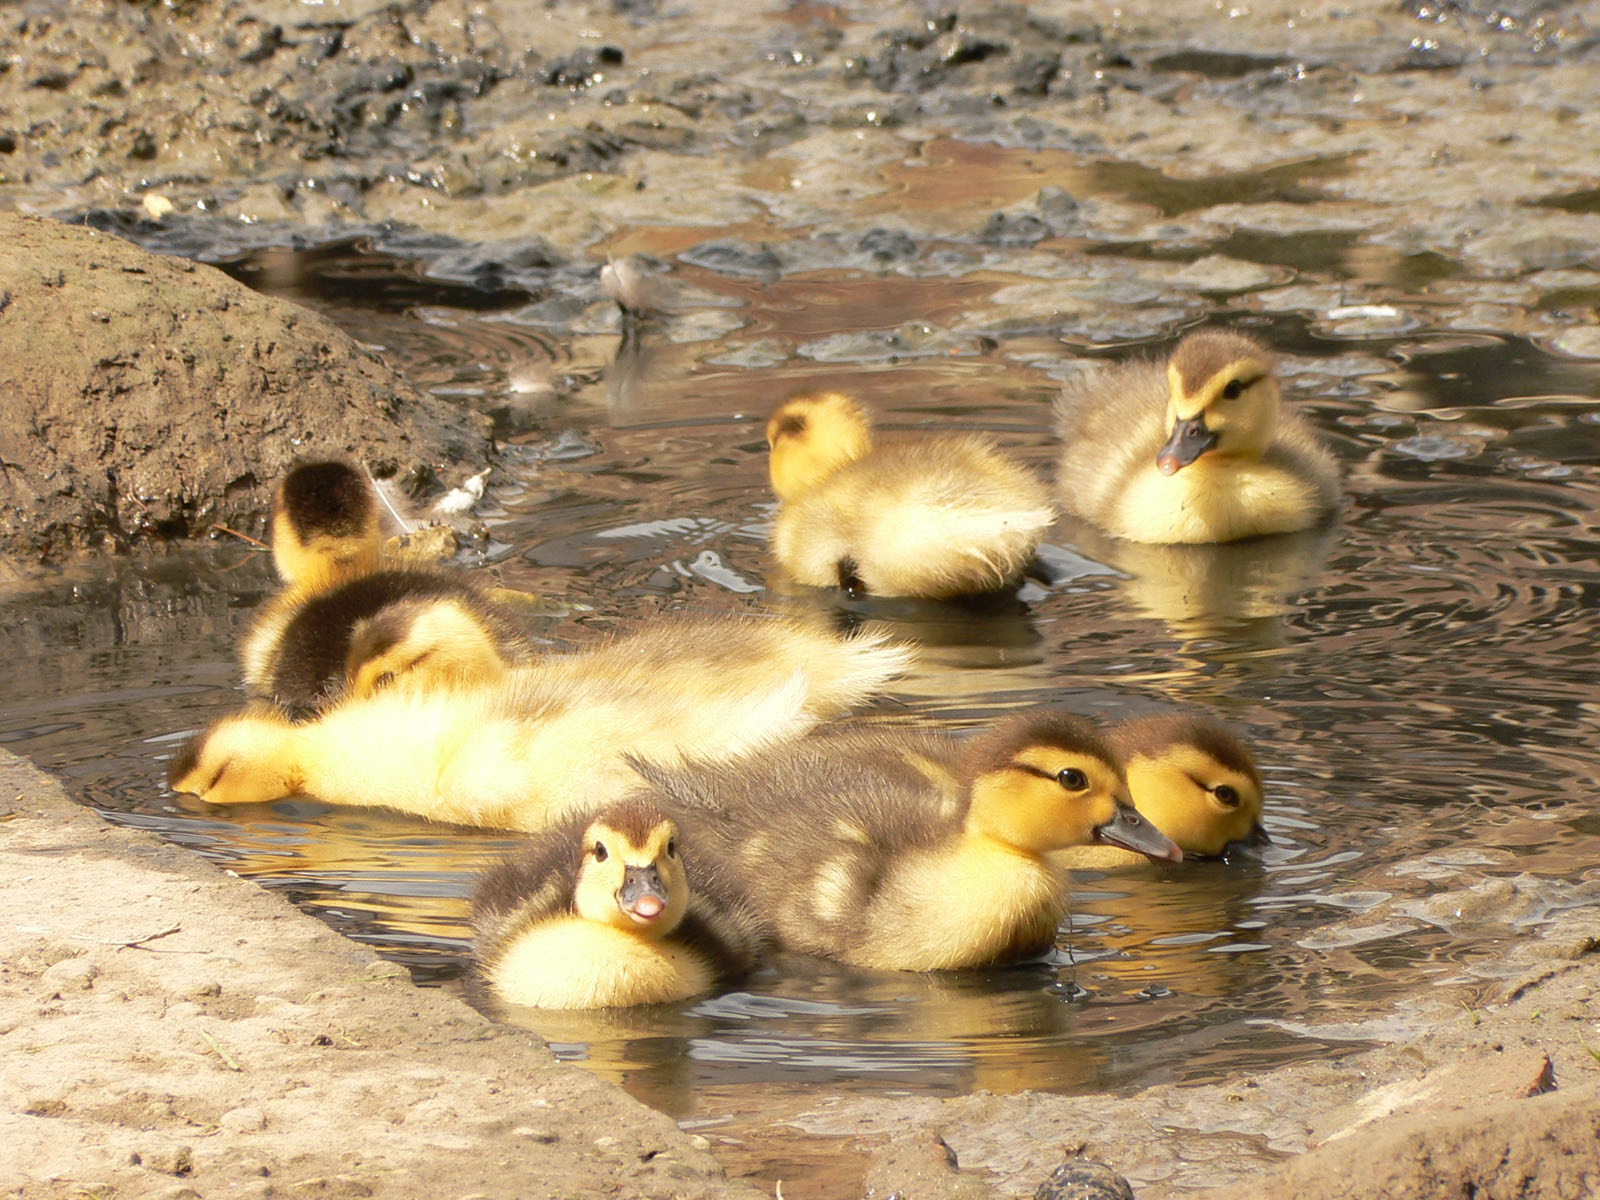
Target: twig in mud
{"points": [[221, 1053], [243, 537], [137, 942]]}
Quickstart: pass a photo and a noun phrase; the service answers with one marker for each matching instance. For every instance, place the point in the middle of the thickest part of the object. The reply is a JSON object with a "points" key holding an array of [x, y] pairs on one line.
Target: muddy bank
{"points": [[148, 397]]}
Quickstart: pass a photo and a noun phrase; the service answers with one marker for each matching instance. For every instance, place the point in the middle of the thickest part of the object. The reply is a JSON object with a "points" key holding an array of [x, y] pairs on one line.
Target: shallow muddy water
{"points": [[1417, 682]]}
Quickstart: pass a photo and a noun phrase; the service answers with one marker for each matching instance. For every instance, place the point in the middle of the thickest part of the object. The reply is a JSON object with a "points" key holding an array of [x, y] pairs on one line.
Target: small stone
{"points": [[1080, 1179], [71, 975], [246, 1119]]}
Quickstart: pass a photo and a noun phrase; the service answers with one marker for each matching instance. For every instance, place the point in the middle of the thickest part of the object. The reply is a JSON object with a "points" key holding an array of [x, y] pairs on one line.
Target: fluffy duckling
{"points": [[324, 526], [1200, 451], [429, 627], [908, 850], [912, 516], [346, 622], [599, 913], [1192, 780], [547, 738]]}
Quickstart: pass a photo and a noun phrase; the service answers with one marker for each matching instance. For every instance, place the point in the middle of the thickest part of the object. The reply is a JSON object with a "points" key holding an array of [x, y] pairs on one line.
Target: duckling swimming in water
{"points": [[1198, 451], [1192, 780], [907, 850], [911, 516], [600, 912], [330, 632], [324, 526], [430, 628], [547, 739]]}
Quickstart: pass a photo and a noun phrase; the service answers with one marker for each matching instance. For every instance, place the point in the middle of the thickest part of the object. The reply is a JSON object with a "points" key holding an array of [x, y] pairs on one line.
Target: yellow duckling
{"points": [[913, 516], [330, 633], [908, 850], [430, 628], [1223, 462], [546, 739], [1192, 780], [599, 913], [324, 526]]}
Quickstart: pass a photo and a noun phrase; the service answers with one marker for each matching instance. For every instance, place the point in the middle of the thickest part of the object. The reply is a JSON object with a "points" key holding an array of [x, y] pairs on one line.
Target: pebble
{"points": [[1080, 1179], [246, 1119], [71, 975]]}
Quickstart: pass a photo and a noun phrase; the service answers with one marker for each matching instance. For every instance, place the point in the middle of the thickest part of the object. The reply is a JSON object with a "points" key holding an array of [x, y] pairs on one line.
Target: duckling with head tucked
{"points": [[934, 517], [907, 850], [546, 739], [1198, 451], [1192, 780], [600, 912]]}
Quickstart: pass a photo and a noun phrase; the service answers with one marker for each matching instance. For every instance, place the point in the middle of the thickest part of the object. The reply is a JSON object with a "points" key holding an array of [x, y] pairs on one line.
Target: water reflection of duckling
{"points": [[1192, 780], [1223, 462], [549, 738], [600, 913], [908, 850], [911, 516]]}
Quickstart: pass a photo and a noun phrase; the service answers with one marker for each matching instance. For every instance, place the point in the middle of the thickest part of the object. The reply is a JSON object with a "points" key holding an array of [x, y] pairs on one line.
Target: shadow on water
{"points": [[1420, 668]]}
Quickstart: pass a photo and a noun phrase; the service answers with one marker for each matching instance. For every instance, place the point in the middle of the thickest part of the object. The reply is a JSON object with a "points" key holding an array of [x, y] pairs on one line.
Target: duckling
{"points": [[1192, 780], [547, 738], [907, 850], [932, 517], [599, 913], [432, 628], [1224, 462], [324, 526], [330, 630]]}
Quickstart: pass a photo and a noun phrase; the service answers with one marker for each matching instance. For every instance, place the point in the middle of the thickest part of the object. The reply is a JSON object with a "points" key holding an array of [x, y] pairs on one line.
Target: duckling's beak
{"points": [[642, 895], [1249, 845], [1190, 439], [1132, 832]]}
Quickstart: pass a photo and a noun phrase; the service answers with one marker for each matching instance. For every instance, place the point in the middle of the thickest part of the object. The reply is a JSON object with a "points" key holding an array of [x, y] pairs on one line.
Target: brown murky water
{"points": [[1418, 682]]}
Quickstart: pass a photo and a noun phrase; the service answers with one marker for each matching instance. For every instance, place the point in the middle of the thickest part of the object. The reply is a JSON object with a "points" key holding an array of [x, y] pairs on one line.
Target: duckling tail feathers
{"points": [[846, 672], [971, 549]]}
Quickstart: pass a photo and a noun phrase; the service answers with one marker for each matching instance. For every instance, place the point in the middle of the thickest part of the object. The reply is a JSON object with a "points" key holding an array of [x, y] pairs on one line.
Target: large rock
{"points": [[151, 397]]}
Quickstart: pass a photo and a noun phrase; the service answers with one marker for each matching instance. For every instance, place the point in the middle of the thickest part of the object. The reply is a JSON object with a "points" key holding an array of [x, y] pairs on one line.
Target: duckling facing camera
{"points": [[546, 739], [935, 517], [1197, 450], [601, 913], [903, 849], [1192, 780]]}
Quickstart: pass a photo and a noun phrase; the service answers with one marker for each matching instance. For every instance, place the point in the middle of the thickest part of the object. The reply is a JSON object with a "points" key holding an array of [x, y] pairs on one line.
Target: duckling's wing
{"points": [[1111, 421]]}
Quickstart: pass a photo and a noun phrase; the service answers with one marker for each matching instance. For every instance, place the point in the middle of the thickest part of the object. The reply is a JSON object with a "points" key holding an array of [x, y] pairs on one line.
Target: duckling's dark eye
{"points": [[600, 852], [1072, 779], [1226, 794], [1234, 389], [672, 848]]}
